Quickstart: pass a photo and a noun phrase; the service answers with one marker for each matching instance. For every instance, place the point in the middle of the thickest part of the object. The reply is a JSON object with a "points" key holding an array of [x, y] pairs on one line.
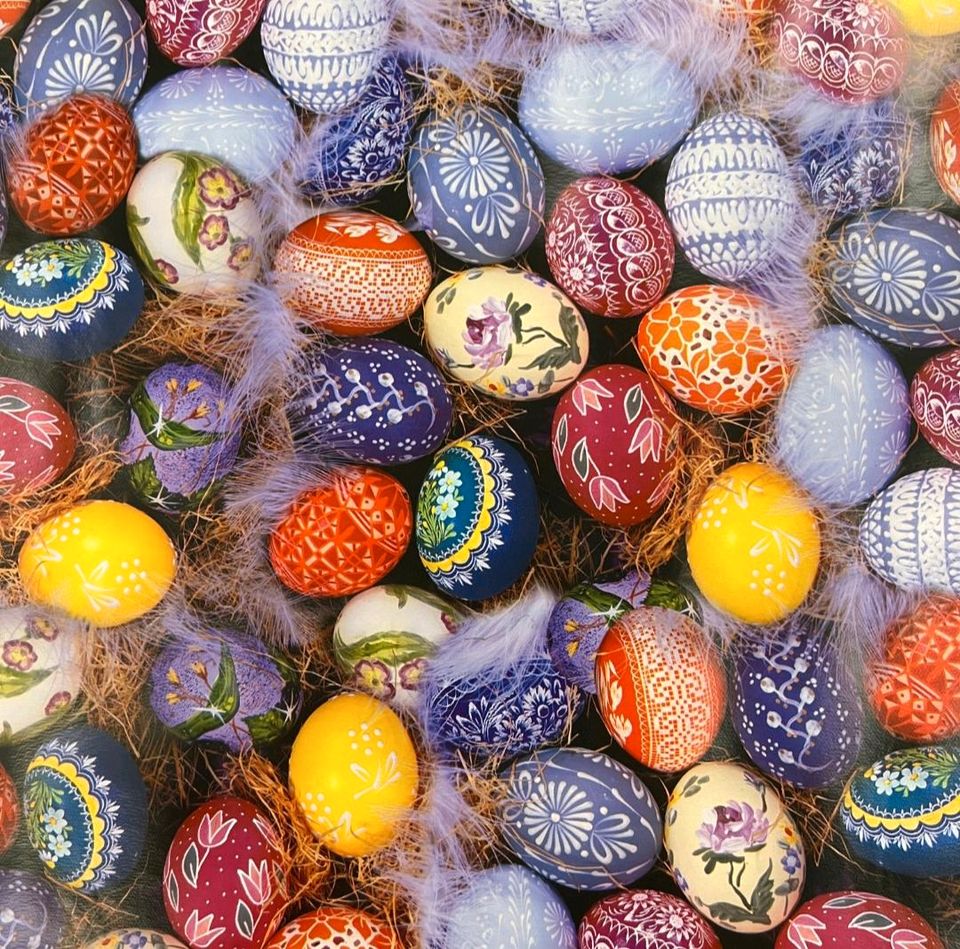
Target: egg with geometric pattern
{"points": [[935, 403], [336, 927]]}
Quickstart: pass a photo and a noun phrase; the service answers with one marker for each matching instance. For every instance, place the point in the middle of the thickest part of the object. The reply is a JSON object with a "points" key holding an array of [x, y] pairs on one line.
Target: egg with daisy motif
{"points": [[28, 903], [134, 939], [645, 919], [332, 927]]}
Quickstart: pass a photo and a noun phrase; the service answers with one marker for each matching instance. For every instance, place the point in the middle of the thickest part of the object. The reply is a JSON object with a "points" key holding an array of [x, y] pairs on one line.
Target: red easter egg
{"points": [[9, 810], [37, 437], [224, 883], [75, 166], [336, 927], [609, 246], [344, 536], [10, 13], [615, 440], [199, 32], [945, 140], [935, 403], [850, 50]]}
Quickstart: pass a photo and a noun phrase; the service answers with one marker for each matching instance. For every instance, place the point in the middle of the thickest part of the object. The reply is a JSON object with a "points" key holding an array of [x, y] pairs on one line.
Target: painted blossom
{"points": [[735, 827], [488, 334]]}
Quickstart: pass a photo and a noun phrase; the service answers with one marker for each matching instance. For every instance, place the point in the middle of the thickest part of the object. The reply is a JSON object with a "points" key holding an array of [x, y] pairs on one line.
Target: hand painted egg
{"points": [[935, 403], [67, 300], [354, 773], [10, 13], [28, 904], [38, 438], [581, 619], [508, 906], [730, 198], [384, 637], [894, 274], [910, 533], [193, 224], [609, 247], [913, 684], [322, 53], [224, 879], [199, 32], [944, 140], [478, 518], [754, 544], [226, 112], [83, 806], [344, 535], [717, 349], [615, 444], [660, 688], [645, 919], [475, 184], [505, 332], [352, 273], [929, 17], [74, 46], [40, 670], [794, 708], [332, 927], [607, 107], [9, 810], [101, 561], [848, 919], [226, 687], [138, 938], [720, 816], [577, 17], [580, 819], [843, 426], [902, 814]]}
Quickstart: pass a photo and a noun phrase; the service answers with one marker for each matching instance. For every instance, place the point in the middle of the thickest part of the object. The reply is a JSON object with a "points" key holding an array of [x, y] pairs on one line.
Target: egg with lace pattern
{"points": [[935, 403], [645, 919], [199, 32], [333, 927]]}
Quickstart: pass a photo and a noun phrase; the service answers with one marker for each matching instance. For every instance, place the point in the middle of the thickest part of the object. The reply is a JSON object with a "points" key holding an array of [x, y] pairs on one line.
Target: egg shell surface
{"points": [[28, 903], [331, 927], [10, 13], [9, 810], [139, 938], [935, 403], [199, 32]]}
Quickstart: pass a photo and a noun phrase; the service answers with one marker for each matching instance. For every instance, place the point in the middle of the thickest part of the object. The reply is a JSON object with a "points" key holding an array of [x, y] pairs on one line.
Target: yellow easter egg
{"points": [[929, 17], [101, 561], [754, 544], [353, 771]]}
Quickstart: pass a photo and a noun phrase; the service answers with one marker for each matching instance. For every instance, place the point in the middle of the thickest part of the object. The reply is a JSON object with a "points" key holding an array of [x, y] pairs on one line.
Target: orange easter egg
{"points": [[336, 927], [945, 140], [10, 13]]}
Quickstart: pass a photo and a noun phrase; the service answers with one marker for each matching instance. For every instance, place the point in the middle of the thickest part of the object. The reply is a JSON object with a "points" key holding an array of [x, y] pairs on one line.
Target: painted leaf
{"points": [[803, 931], [190, 865], [634, 402], [134, 223], [163, 433], [582, 462], [908, 939], [42, 426], [561, 440], [11, 405], [871, 921], [223, 701], [844, 902], [173, 891], [647, 440], [188, 208], [244, 920], [14, 682]]}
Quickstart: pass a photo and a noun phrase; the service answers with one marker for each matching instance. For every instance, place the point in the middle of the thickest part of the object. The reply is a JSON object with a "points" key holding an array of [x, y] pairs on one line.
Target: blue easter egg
{"points": [[476, 186], [580, 819], [796, 713], [730, 198], [66, 300], [478, 518], [30, 912], [903, 812], [72, 46], [226, 112], [607, 108], [373, 401], [895, 273], [578, 17], [843, 426]]}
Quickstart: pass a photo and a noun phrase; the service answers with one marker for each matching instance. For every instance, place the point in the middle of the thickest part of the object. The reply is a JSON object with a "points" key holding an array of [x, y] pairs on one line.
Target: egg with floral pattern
{"points": [[9, 810], [645, 919], [10, 13], [333, 927], [935, 403], [29, 904], [945, 138], [134, 939], [199, 32]]}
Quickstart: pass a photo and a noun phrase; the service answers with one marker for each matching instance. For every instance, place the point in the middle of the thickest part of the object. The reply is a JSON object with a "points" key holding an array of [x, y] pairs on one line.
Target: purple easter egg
{"points": [[935, 403]]}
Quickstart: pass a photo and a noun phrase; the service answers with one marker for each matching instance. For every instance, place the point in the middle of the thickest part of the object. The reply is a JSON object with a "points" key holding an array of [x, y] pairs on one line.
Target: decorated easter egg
{"points": [[914, 684], [83, 806], [322, 53], [384, 637], [505, 906], [344, 535], [475, 184], [74, 46], [843, 426], [645, 919], [903, 812], [715, 348], [660, 687], [607, 107], [226, 687], [40, 670], [506, 332], [139, 938], [9, 810], [720, 814], [609, 246], [580, 819], [353, 771], [199, 32], [226, 112], [910, 533], [352, 273], [935, 403], [577, 17], [477, 518], [101, 561], [224, 879], [331, 927], [944, 139], [193, 224], [794, 707], [28, 904], [754, 544], [730, 198], [67, 300], [10, 13], [893, 272], [929, 17], [615, 444], [37, 437]]}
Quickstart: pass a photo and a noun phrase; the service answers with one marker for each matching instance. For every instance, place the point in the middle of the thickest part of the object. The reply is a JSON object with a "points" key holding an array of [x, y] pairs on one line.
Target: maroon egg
{"points": [[37, 438], [199, 32], [609, 247], [851, 50], [935, 403]]}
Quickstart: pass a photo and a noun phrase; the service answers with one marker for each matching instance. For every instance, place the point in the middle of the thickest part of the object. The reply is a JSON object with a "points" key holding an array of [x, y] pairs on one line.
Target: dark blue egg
{"points": [[31, 914]]}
